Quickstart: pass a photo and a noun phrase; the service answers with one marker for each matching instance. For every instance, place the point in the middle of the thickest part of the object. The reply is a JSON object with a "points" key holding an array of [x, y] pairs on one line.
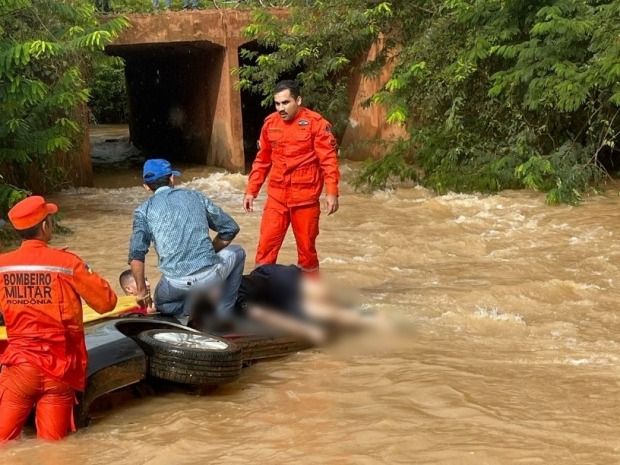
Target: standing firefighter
{"points": [[45, 362], [298, 151]]}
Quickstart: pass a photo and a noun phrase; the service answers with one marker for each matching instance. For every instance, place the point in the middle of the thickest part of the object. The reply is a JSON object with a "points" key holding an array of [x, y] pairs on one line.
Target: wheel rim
{"points": [[191, 341]]}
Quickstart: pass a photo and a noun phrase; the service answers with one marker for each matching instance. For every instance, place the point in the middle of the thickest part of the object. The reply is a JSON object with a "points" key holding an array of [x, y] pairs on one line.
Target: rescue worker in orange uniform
{"points": [[299, 153], [45, 361]]}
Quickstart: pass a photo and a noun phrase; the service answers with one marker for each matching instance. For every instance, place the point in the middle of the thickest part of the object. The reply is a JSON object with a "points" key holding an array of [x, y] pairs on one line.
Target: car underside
{"points": [[129, 350]]}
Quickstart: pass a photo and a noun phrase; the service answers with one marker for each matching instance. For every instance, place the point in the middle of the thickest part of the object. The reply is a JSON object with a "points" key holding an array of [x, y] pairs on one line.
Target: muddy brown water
{"points": [[513, 360]]}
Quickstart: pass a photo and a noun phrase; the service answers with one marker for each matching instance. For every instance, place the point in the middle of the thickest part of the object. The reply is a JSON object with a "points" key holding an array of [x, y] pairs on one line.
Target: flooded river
{"points": [[514, 358]]}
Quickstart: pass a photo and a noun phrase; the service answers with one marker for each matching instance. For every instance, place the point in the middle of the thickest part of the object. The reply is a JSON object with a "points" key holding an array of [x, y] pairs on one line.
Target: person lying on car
{"points": [[283, 297]]}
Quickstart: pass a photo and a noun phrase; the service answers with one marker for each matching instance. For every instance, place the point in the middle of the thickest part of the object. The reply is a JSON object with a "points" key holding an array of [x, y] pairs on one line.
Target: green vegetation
{"points": [[146, 6], [45, 49], [493, 94], [108, 101]]}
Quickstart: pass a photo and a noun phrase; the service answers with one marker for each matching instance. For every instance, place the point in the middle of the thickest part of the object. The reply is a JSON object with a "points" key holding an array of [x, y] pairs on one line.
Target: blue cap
{"points": [[156, 169]]}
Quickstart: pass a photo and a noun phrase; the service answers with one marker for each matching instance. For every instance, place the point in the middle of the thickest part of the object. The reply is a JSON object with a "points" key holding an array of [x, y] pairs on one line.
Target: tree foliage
{"points": [[494, 94], [319, 46], [45, 48], [108, 101]]}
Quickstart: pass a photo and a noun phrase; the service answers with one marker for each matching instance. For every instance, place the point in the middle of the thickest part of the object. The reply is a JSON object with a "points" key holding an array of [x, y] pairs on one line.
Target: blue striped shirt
{"points": [[177, 221]]}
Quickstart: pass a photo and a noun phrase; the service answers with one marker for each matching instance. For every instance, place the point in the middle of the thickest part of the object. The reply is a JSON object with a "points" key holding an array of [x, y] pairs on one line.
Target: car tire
{"points": [[192, 358]]}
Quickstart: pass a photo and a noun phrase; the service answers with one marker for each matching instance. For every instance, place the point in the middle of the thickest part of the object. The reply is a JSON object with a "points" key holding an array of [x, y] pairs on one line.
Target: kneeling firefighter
{"points": [[45, 361]]}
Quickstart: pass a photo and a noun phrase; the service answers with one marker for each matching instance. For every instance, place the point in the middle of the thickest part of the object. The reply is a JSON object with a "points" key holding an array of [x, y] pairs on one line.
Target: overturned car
{"points": [[125, 350]]}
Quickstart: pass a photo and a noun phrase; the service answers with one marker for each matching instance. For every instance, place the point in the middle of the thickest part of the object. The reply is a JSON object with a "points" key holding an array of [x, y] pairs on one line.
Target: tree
{"points": [[108, 101], [45, 48], [494, 93], [319, 46]]}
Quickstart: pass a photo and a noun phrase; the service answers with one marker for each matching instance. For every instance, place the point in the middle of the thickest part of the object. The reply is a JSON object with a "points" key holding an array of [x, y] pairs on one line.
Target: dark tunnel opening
{"points": [[253, 113], [172, 90]]}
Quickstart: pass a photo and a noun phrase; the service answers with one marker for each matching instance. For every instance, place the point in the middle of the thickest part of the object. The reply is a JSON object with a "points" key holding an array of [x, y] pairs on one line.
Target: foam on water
{"points": [[460, 200], [385, 194], [495, 314], [596, 361], [334, 261], [224, 186], [127, 198]]}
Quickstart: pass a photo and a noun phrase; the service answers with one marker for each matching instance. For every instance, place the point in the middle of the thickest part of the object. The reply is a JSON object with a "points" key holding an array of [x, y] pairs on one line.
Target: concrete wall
{"points": [[226, 144], [221, 27], [203, 95], [367, 129], [184, 101]]}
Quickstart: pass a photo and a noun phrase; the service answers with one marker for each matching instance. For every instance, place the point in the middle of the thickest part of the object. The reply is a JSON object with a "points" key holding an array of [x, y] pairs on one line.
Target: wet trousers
{"points": [[305, 223], [24, 386]]}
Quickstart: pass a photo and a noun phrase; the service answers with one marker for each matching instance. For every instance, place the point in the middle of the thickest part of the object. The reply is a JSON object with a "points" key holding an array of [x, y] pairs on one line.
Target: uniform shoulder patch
{"points": [[303, 122], [88, 268], [328, 129]]}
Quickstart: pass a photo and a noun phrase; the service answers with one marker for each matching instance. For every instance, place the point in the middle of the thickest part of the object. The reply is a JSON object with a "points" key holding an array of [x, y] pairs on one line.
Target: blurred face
{"points": [[314, 290], [286, 105], [317, 300]]}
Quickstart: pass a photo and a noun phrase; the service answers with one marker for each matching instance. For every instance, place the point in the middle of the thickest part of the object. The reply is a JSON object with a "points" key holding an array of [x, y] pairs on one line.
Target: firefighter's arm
{"points": [[261, 165], [325, 147], [95, 290]]}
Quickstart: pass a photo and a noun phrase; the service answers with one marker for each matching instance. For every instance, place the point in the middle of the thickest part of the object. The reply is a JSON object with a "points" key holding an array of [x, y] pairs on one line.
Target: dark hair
{"points": [[125, 277], [157, 183], [32, 232], [289, 85]]}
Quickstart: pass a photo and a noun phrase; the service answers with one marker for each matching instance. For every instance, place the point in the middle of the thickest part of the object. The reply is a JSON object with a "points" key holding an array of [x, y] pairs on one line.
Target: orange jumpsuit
{"points": [[300, 156], [45, 361]]}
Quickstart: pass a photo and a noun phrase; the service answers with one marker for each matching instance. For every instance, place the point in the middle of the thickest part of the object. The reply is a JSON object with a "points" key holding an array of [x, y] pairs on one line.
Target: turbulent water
{"points": [[514, 358]]}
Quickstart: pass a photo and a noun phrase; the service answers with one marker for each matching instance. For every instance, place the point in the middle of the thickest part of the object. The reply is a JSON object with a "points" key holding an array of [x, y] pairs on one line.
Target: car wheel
{"points": [[191, 358]]}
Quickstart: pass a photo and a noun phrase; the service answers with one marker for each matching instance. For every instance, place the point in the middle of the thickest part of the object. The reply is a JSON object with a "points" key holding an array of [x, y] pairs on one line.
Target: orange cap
{"points": [[30, 212]]}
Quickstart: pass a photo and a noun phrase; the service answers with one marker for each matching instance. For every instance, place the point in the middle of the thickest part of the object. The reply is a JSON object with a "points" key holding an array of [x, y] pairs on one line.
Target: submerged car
{"points": [[125, 349]]}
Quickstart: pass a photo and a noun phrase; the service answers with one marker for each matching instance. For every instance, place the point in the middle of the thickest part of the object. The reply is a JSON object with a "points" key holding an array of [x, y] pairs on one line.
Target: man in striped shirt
{"points": [[177, 221]]}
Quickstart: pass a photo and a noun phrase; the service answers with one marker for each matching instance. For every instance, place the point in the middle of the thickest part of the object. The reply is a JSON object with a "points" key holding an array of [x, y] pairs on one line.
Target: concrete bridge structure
{"points": [[184, 103]]}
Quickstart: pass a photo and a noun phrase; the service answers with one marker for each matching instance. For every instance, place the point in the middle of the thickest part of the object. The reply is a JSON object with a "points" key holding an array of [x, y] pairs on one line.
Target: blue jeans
{"points": [[156, 4], [173, 295], [186, 3]]}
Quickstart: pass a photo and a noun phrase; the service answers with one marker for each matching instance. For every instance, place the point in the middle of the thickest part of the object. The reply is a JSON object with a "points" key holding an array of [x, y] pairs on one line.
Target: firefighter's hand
{"points": [[248, 203], [332, 204]]}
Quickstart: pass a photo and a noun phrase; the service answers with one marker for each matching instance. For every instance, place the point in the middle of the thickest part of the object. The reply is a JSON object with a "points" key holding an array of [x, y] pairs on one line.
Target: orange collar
{"points": [[33, 244]]}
